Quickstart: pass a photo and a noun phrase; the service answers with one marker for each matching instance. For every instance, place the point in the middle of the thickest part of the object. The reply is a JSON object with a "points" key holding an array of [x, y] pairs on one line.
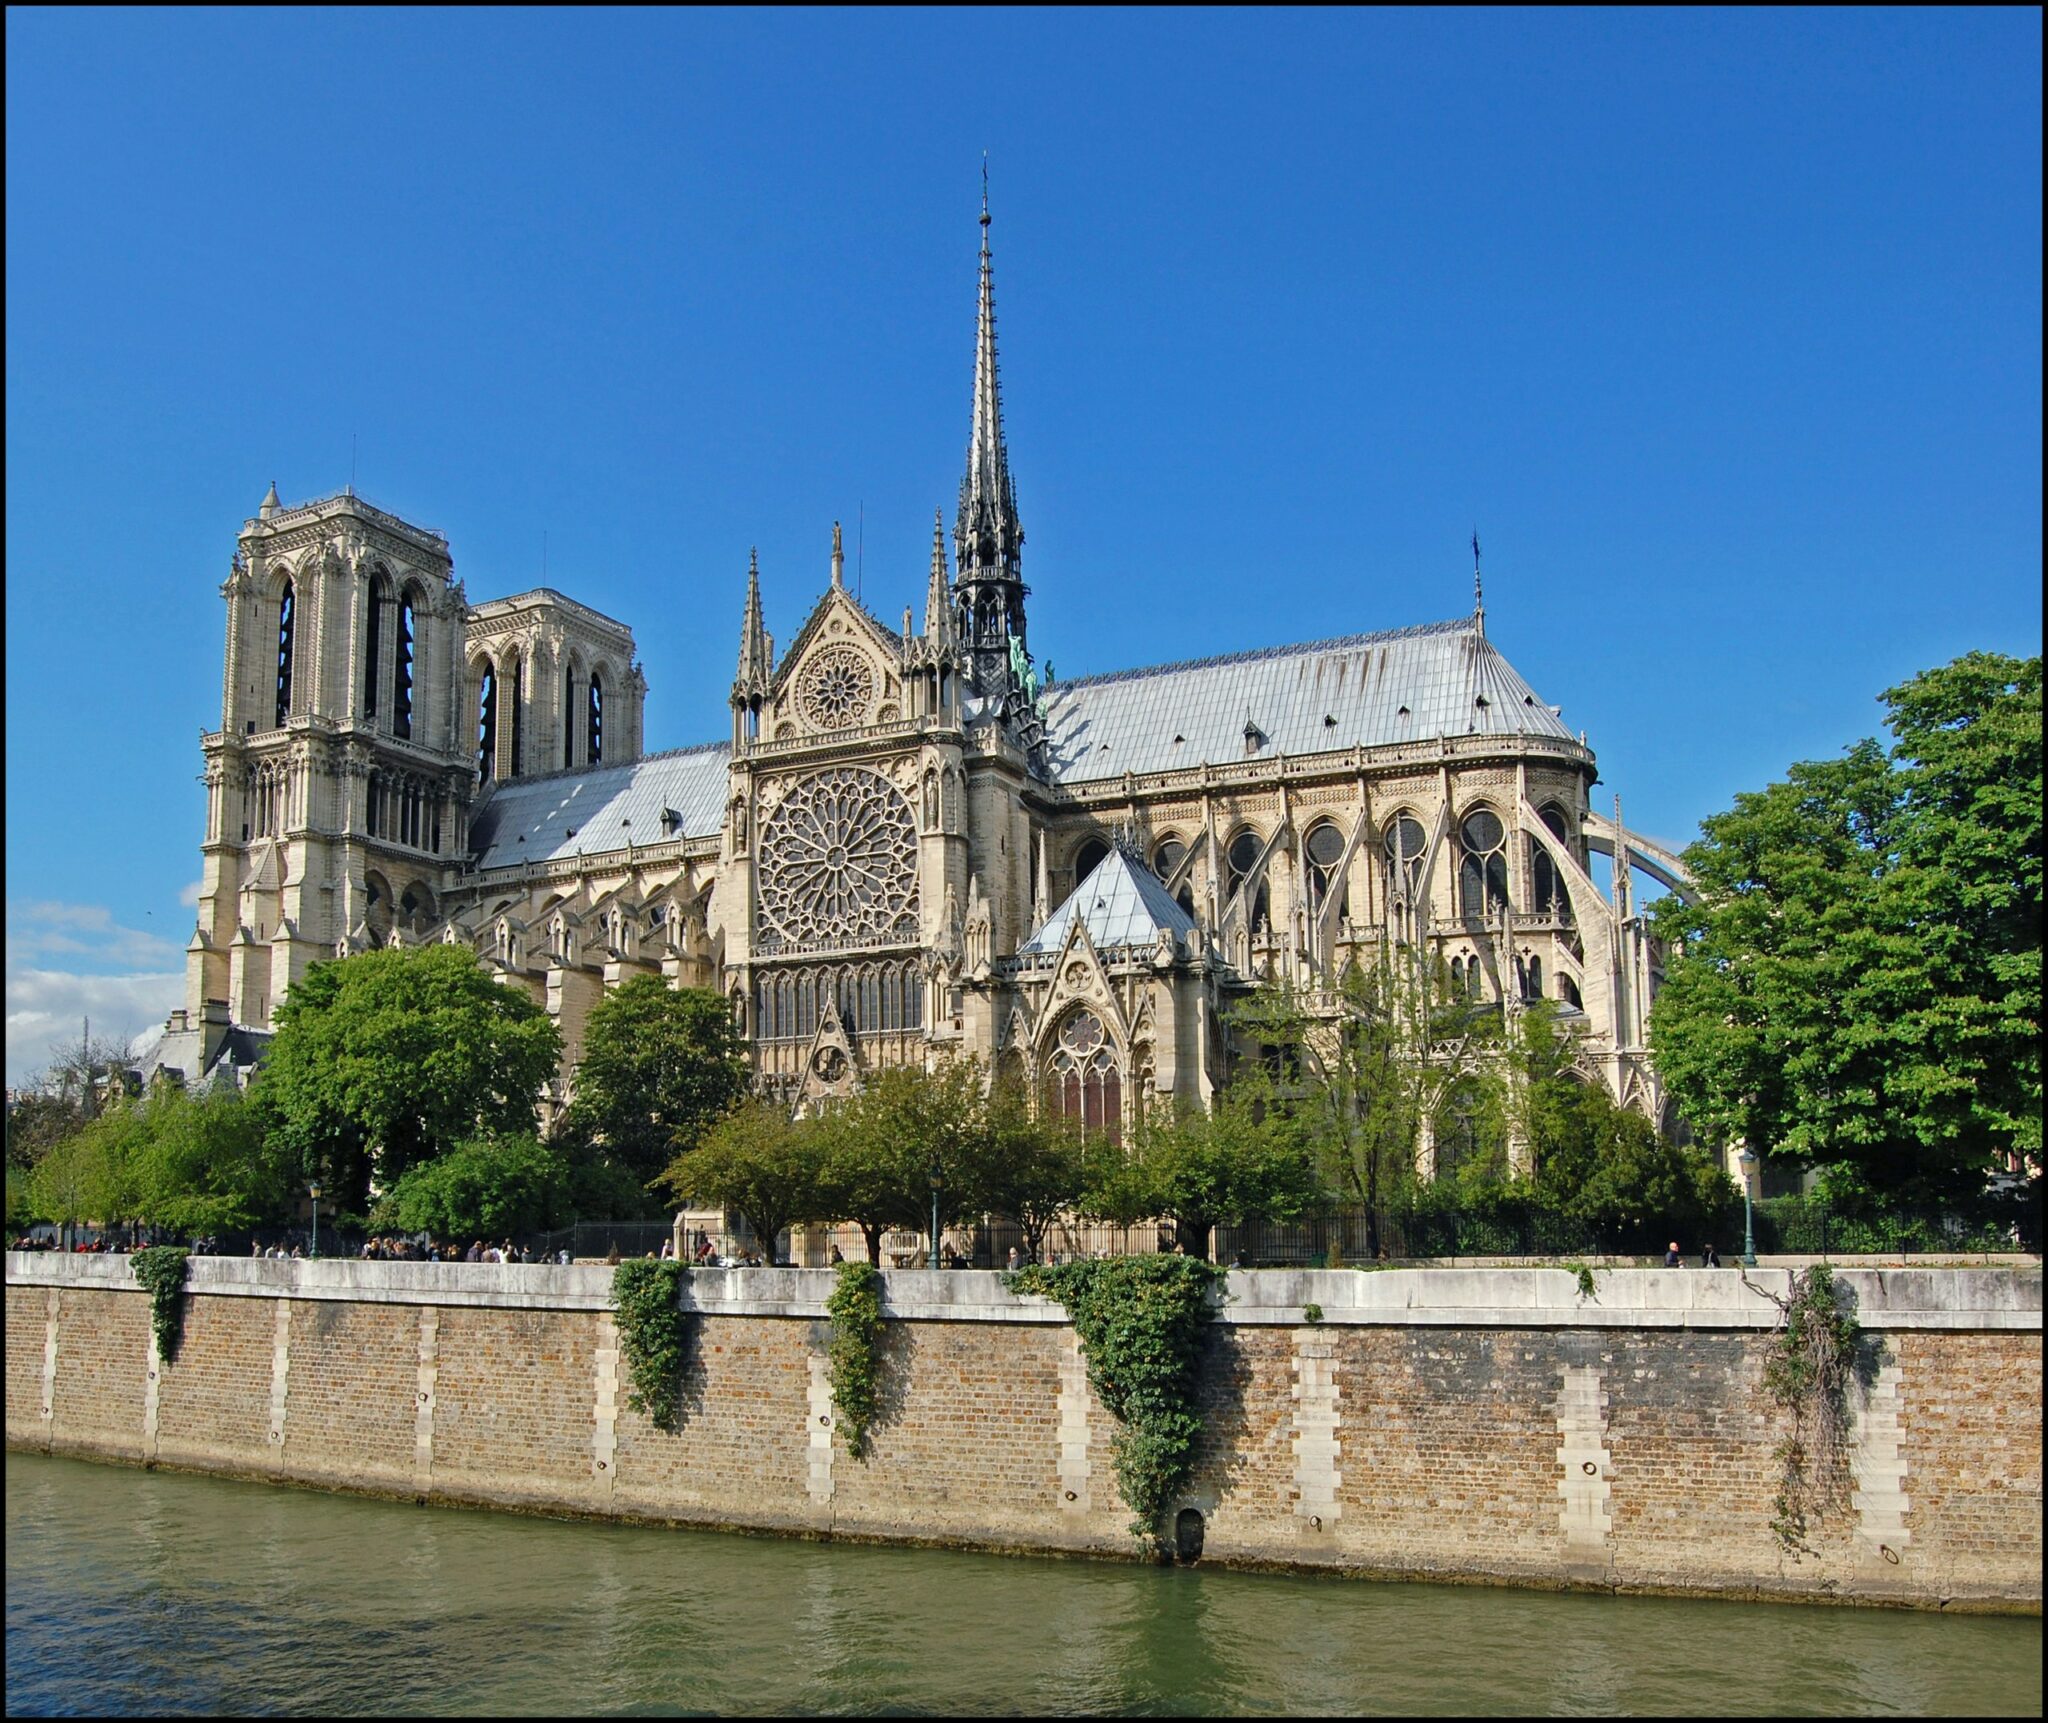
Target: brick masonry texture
{"points": [[1386, 1446]]}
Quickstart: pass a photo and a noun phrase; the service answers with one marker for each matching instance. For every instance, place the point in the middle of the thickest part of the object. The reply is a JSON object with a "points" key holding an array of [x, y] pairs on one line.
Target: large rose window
{"points": [[836, 688], [839, 862]]}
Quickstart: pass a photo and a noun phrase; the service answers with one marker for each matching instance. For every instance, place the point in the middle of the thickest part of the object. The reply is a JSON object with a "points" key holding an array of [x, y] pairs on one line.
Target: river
{"points": [[133, 1592]]}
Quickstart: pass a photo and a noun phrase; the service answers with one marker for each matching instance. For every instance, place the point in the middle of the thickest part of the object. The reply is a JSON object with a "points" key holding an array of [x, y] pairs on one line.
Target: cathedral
{"points": [[914, 843]]}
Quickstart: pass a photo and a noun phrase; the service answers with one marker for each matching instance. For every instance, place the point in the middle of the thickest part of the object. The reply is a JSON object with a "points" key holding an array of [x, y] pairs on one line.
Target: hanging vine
{"points": [[856, 1311], [648, 1297], [1140, 1322], [160, 1270], [1813, 1355]]}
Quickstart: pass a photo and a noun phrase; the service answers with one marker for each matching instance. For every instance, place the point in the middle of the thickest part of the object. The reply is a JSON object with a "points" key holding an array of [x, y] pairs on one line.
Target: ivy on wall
{"points": [[1140, 1322], [160, 1271], [648, 1297], [856, 1311], [1807, 1371]]}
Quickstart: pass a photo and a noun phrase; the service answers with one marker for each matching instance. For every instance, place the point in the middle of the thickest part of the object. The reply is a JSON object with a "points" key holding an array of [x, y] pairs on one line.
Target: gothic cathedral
{"points": [[914, 843]]}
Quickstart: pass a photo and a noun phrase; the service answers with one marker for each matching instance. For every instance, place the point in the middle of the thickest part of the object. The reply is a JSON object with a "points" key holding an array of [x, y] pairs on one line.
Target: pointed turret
{"points": [[750, 686], [270, 505], [988, 537], [938, 592]]}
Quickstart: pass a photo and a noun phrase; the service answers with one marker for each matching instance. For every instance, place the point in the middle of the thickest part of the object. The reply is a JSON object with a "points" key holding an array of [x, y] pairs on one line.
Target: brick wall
{"points": [[1514, 1436]]}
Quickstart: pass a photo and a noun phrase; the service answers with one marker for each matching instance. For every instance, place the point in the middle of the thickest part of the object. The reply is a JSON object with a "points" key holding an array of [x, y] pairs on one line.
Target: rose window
{"points": [[839, 861], [836, 688]]}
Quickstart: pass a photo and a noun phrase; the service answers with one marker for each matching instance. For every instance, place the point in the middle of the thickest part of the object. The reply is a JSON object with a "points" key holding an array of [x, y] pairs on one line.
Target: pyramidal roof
{"points": [[1120, 903]]}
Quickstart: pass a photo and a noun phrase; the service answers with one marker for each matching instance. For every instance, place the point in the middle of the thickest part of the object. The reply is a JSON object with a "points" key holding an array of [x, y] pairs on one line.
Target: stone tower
{"points": [[339, 782]]}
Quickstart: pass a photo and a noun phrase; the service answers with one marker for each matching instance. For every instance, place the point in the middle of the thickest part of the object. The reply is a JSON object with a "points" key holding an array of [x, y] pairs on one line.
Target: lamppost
{"points": [[1747, 1156], [936, 1182], [314, 1188]]}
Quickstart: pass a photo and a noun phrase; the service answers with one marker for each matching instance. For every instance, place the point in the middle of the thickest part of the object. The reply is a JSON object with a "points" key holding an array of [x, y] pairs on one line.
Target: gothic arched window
{"points": [[373, 642], [1535, 989], [1483, 865], [1322, 851], [1167, 855], [1238, 861], [401, 670], [1546, 885], [487, 725], [1086, 1083], [287, 605], [569, 716], [913, 997], [1405, 843], [1088, 858], [596, 718], [518, 716]]}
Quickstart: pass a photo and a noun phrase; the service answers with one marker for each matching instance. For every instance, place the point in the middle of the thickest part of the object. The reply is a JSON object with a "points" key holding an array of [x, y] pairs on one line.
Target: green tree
{"points": [[659, 1065], [886, 1144], [487, 1188], [1236, 1163], [759, 1163], [386, 1059], [201, 1164], [1857, 985], [89, 1175], [1034, 1168]]}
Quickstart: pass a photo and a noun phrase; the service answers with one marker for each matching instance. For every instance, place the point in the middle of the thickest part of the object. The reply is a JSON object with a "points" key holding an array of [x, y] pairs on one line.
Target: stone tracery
{"points": [[839, 862]]}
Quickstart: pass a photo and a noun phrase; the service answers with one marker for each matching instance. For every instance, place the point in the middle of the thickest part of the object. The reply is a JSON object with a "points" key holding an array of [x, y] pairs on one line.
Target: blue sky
{"points": [[1724, 330]]}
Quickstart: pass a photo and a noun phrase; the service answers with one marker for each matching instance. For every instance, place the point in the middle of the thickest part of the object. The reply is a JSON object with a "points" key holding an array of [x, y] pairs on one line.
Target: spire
{"points": [[838, 557], [1478, 591], [938, 597], [753, 673], [988, 538]]}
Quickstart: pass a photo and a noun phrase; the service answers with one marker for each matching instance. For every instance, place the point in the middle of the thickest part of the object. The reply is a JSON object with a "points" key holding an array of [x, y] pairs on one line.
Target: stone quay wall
{"points": [[1475, 1425]]}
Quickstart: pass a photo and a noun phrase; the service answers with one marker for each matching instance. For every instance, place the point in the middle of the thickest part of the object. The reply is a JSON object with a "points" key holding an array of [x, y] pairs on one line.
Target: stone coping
{"points": [[1722, 1298]]}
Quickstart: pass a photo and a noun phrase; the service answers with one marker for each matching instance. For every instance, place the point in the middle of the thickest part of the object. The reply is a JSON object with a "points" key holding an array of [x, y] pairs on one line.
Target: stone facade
{"points": [[1481, 1424], [867, 867]]}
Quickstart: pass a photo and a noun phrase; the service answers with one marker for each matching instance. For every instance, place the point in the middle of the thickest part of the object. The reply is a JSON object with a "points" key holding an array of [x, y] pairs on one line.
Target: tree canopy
{"points": [[388, 1058], [1858, 986], [659, 1065], [489, 1188], [759, 1163]]}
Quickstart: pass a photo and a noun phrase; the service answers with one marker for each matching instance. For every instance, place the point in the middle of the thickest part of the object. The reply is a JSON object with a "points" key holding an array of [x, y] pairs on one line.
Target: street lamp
{"points": [[936, 1182], [314, 1188], [1747, 1156]]}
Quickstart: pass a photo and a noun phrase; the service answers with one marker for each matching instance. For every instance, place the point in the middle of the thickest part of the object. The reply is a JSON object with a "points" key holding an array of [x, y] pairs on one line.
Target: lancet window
{"points": [[596, 718], [1086, 1084], [287, 608], [1238, 861], [1483, 866], [1546, 886], [373, 643], [1168, 855], [1405, 843], [1322, 851], [1088, 858], [401, 673], [487, 725], [885, 998]]}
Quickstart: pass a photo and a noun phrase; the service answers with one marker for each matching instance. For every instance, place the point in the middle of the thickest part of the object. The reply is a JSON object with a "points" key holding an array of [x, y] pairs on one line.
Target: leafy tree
{"points": [[89, 1175], [1233, 1164], [886, 1144], [659, 1065], [37, 1120], [759, 1163], [1034, 1168], [201, 1164], [386, 1059], [489, 1188], [1858, 985]]}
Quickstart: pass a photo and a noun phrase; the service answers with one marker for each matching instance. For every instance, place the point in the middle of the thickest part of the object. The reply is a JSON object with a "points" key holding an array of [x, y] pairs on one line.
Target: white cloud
{"points": [[189, 897], [67, 962]]}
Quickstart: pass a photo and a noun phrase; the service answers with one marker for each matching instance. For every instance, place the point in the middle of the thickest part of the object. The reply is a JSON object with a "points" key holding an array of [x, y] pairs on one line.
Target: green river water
{"points": [[131, 1592]]}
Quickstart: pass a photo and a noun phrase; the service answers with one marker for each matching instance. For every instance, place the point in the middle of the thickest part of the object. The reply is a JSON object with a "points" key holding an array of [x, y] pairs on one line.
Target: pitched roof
{"points": [[602, 808], [1403, 685], [1121, 903]]}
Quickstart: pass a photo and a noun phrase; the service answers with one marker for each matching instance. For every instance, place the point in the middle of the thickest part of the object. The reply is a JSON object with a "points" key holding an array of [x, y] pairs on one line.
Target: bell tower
{"points": [[339, 783]]}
